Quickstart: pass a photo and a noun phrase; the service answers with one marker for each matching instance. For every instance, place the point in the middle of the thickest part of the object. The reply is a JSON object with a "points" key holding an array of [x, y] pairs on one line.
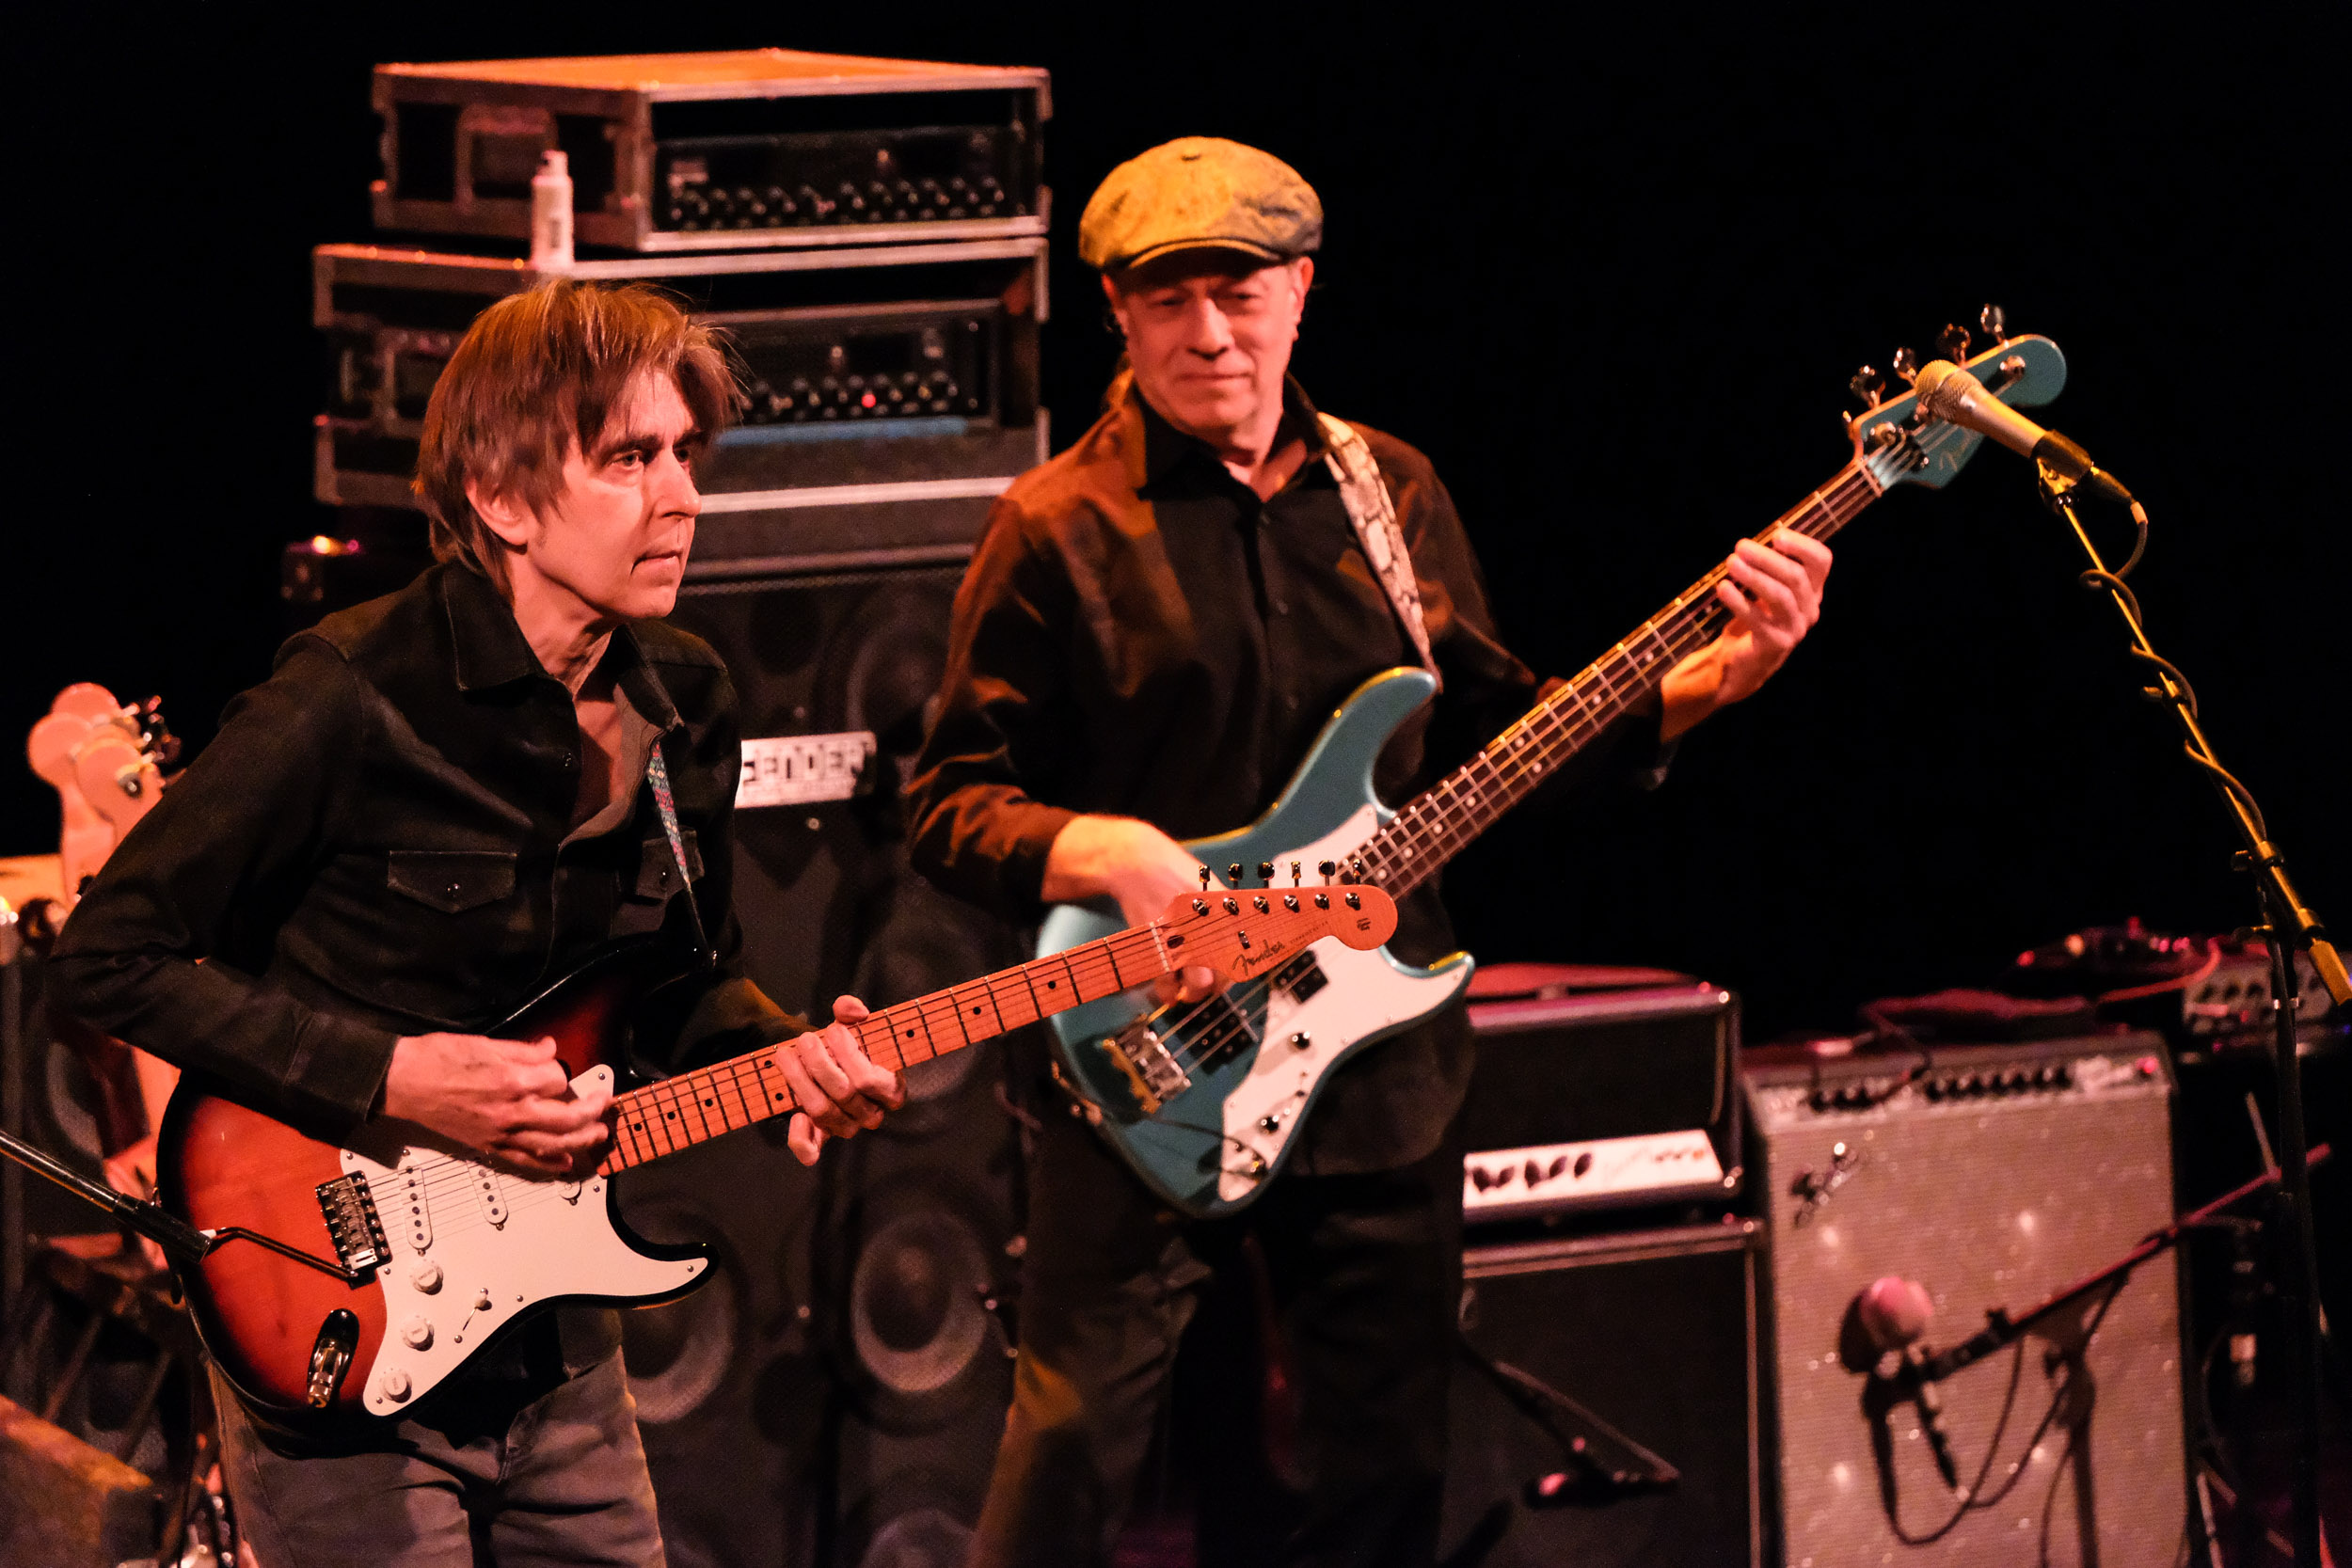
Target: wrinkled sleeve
{"points": [[165, 947], [1000, 736], [1487, 688]]}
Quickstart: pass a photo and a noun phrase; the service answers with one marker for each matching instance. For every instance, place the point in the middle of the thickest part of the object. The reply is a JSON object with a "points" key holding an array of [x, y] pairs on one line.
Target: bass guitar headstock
{"points": [[1898, 447]]}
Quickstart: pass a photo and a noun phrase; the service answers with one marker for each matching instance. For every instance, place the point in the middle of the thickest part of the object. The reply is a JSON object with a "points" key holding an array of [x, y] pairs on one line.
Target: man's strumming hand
{"points": [[1139, 867], [510, 1100], [838, 1086]]}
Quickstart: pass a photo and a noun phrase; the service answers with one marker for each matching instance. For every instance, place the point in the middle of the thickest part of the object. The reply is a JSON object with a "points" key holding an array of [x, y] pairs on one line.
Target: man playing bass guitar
{"points": [[437, 804], [1153, 629]]}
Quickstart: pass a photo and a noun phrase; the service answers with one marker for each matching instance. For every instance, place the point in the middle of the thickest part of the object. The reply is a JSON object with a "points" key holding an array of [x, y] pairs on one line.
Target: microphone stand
{"points": [[2289, 926]]}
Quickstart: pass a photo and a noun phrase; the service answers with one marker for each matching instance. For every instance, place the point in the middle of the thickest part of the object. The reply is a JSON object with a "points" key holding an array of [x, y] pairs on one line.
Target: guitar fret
{"points": [[1456, 809]]}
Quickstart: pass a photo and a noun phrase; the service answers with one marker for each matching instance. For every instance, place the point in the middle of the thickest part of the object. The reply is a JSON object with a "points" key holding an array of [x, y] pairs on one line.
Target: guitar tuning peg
{"points": [[1995, 322], [1293, 873], [1232, 875], [1868, 386], [1906, 365], [1953, 343], [1265, 873], [1327, 867], [1204, 879]]}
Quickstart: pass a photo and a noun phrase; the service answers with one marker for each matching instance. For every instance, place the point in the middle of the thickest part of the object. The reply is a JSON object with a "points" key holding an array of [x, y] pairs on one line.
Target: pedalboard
{"points": [[725, 151]]}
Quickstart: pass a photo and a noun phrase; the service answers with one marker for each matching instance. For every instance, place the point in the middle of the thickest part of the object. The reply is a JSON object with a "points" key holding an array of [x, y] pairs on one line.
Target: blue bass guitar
{"points": [[1202, 1101]]}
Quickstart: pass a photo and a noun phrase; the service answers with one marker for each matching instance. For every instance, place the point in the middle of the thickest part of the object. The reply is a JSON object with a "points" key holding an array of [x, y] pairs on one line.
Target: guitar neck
{"points": [[679, 1111], [1437, 823]]}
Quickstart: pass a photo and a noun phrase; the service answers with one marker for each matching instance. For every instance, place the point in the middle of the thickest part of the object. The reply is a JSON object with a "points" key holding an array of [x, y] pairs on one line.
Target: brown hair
{"points": [[539, 373]]}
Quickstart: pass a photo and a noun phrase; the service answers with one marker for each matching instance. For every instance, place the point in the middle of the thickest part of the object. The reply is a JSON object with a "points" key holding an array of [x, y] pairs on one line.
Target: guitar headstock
{"points": [[1241, 932], [106, 763], [1898, 448]]}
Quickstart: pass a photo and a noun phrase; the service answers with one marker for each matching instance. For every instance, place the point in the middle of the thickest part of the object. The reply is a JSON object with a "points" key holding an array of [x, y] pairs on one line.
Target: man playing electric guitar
{"points": [[438, 803], [1154, 627]]}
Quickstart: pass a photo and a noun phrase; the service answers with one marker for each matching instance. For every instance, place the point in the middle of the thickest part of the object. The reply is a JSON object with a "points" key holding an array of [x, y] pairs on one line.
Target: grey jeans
{"points": [[534, 1478]]}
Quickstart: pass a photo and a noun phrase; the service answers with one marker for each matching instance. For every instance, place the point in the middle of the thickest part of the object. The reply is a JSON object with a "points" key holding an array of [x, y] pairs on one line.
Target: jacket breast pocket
{"points": [[452, 880], [656, 867]]}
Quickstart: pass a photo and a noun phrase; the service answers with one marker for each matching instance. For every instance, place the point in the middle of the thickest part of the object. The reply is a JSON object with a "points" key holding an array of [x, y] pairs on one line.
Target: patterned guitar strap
{"points": [[658, 775], [1369, 507]]}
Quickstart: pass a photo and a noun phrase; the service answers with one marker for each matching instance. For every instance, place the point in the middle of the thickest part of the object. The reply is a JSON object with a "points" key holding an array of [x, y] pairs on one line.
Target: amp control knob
{"points": [[416, 1333]]}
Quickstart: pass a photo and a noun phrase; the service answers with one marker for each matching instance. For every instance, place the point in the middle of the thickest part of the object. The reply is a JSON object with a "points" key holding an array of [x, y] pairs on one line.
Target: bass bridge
{"points": [[1154, 1075], [1152, 1052]]}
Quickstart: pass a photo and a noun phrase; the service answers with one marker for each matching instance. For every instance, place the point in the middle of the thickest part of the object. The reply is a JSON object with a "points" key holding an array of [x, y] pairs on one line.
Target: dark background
{"points": [[1613, 278]]}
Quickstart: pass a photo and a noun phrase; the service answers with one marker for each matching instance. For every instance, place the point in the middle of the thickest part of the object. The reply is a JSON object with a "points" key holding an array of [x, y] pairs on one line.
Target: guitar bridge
{"points": [[1152, 1071], [352, 1224]]}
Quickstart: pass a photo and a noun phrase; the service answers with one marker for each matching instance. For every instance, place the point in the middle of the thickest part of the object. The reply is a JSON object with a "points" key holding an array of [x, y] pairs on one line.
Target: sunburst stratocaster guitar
{"points": [[1203, 1101], [359, 1279]]}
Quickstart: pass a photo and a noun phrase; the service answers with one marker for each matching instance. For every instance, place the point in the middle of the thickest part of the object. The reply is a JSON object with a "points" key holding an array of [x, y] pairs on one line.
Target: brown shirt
{"points": [[1140, 634]]}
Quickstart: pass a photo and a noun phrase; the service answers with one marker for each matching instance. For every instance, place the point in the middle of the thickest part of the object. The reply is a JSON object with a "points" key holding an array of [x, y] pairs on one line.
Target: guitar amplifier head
{"points": [[1616, 1099], [1995, 1178]]}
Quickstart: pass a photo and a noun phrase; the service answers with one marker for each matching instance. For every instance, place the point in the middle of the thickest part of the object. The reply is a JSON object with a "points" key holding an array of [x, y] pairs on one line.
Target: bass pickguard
{"points": [[1213, 1145]]}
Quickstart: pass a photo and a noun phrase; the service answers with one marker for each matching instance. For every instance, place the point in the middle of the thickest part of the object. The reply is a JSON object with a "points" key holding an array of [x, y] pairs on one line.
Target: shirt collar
{"points": [[491, 649], [1155, 449]]}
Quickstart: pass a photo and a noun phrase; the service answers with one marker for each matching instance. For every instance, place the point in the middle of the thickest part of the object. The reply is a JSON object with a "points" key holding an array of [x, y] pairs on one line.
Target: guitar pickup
{"points": [[1302, 978], [352, 1224]]}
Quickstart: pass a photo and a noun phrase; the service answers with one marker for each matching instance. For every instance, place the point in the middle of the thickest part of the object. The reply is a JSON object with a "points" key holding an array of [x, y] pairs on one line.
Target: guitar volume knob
{"points": [[425, 1275], [393, 1385], [416, 1333]]}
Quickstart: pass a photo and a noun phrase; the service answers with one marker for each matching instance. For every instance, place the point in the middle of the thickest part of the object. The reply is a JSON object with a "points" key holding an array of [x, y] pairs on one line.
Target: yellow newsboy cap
{"points": [[1200, 193]]}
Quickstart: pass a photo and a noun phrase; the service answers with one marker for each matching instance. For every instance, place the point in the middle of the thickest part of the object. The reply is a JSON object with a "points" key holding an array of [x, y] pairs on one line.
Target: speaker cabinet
{"points": [[1994, 1177], [1654, 1333], [835, 1394]]}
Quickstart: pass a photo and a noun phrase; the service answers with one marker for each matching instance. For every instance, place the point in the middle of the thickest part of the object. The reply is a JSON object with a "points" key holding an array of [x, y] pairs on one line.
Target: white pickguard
{"points": [[1364, 995], [487, 1246]]}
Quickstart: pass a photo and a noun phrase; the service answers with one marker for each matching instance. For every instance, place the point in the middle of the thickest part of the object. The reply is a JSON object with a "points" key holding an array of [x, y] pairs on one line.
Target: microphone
{"points": [[1951, 394], [1894, 1313]]}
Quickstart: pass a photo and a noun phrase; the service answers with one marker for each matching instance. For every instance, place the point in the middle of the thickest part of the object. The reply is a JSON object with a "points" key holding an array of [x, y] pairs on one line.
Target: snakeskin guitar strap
{"points": [[658, 775], [1369, 507]]}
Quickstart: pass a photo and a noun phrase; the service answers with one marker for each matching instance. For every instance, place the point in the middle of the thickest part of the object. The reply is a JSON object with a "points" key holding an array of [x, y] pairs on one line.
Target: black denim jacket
{"points": [[379, 842]]}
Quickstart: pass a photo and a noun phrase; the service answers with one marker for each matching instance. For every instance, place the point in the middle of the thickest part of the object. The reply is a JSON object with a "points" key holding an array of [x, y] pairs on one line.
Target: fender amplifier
{"points": [[1994, 1177], [1587, 1099]]}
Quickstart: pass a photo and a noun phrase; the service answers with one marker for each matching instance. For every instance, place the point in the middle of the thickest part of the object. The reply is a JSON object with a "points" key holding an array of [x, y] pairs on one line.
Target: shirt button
{"points": [[571, 759]]}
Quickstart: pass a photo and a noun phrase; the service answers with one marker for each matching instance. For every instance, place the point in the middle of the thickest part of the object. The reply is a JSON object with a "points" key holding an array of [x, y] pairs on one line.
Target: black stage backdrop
{"points": [[1611, 276]]}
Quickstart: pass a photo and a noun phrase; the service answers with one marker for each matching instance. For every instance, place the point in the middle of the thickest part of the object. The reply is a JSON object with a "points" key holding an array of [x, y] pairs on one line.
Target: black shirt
{"points": [[1139, 635], [382, 841]]}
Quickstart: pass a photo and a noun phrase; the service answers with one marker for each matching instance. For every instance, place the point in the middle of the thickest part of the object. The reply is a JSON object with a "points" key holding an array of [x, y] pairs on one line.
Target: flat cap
{"points": [[1200, 193]]}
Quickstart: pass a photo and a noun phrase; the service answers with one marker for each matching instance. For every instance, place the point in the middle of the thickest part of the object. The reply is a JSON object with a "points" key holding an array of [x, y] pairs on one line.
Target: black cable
{"points": [[1973, 1500]]}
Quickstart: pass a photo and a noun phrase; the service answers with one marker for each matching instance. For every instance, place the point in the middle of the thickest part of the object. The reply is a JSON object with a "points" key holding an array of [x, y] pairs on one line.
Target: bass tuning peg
{"points": [[1995, 322], [1868, 386], [1953, 343], [1906, 365]]}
